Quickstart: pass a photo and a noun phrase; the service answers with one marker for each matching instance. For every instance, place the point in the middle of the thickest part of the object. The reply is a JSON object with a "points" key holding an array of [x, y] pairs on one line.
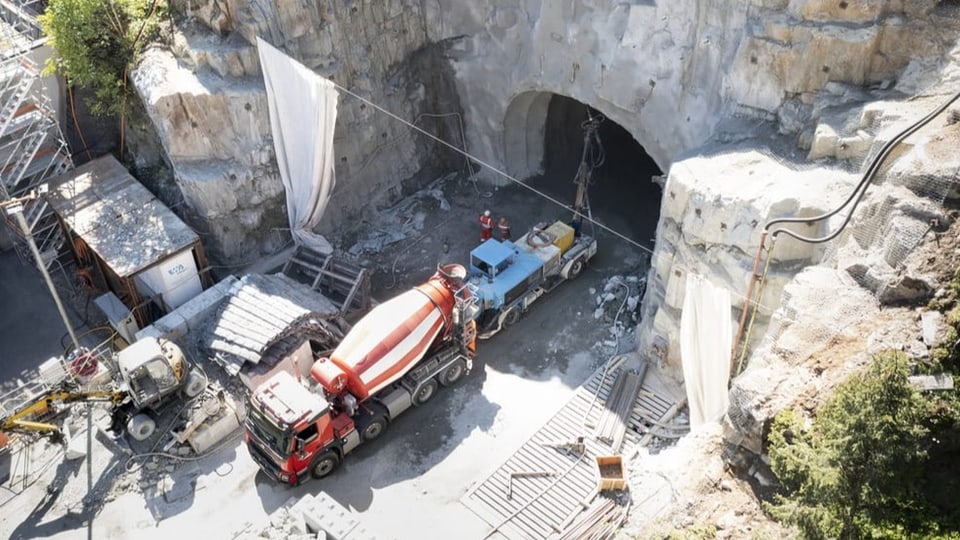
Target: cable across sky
{"points": [[490, 167]]}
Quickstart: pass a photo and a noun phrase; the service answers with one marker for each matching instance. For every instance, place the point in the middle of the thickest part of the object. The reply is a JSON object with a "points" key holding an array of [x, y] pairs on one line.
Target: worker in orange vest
{"points": [[504, 227], [486, 226]]}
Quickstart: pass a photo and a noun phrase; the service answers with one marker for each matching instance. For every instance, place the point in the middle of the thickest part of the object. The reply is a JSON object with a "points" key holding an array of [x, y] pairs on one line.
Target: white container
{"points": [[175, 278]]}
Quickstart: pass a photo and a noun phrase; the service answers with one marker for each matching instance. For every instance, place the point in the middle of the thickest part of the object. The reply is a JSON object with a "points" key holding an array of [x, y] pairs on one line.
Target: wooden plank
{"points": [[504, 512]]}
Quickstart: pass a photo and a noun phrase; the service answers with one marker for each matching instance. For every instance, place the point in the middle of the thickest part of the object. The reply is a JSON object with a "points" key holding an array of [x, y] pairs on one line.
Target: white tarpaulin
{"points": [[705, 348], [303, 113]]}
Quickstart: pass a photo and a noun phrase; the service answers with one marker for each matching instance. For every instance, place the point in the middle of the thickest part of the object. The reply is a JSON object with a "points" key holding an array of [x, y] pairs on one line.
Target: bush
{"points": [[860, 469], [97, 42]]}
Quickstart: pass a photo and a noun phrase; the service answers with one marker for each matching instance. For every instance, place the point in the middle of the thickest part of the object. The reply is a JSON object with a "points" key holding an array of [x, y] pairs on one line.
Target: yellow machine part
{"points": [[41, 406], [562, 235], [175, 359]]}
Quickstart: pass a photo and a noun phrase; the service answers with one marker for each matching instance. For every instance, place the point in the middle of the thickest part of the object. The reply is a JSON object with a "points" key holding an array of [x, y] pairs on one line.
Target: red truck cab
{"points": [[294, 432]]}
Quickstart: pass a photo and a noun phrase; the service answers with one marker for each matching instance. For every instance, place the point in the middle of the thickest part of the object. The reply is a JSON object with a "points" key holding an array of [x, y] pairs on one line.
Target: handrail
{"points": [[855, 197]]}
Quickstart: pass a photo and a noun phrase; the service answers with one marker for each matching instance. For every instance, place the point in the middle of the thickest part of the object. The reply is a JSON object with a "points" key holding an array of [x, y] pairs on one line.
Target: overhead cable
{"points": [[490, 167]]}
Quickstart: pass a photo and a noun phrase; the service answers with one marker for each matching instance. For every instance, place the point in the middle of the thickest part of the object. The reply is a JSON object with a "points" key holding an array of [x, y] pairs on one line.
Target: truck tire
{"points": [[141, 426], [511, 317], [575, 268], [325, 464], [371, 427], [426, 391], [453, 373], [196, 383]]}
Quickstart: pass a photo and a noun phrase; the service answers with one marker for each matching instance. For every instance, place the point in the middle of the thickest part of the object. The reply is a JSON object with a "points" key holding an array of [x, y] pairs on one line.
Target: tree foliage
{"points": [[97, 42], [862, 467]]}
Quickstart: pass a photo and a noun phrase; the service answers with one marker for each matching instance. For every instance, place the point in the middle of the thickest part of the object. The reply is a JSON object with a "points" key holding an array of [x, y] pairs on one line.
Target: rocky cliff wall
{"points": [[668, 72], [757, 109], [205, 98]]}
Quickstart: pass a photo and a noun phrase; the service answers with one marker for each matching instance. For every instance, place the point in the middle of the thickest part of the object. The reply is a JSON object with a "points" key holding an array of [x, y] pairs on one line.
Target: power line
{"points": [[516, 181], [491, 167]]}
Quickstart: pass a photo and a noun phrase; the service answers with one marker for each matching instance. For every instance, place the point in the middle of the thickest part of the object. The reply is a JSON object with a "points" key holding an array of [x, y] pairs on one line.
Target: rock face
{"points": [[701, 85], [480, 74], [205, 97]]}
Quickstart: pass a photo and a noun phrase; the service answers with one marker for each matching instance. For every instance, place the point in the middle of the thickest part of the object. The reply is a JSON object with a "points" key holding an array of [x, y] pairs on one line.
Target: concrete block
{"points": [[360, 533], [824, 142], [212, 432], [76, 445], [930, 322], [676, 287], [662, 262], [52, 371], [149, 332], [327, 515], [188, 316], [171, 326], [200, 307], [941, 381]]}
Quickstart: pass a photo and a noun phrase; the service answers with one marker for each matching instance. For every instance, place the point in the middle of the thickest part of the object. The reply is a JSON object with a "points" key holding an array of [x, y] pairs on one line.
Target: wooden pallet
{"points": [[344, 282], [540, 506]]}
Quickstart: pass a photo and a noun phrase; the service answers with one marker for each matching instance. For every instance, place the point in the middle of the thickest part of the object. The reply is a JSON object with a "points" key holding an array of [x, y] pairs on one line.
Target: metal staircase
{"points": [[32, 147]]}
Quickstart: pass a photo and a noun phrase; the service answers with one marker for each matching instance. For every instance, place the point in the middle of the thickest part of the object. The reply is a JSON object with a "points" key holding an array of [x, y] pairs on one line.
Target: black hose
{"points": [[861, 189]]}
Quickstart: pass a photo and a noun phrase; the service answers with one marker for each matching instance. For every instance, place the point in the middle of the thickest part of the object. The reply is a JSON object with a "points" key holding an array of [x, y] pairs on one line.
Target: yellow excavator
{"points": [[151, 373]]}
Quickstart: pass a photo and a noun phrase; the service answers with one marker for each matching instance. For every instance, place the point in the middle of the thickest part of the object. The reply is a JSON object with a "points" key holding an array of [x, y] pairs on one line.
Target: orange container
{"points": [[611, 473]]}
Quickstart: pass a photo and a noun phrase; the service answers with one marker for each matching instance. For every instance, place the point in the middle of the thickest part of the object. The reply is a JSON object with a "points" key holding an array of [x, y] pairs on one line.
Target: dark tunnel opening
{"points": [[621, 194]]}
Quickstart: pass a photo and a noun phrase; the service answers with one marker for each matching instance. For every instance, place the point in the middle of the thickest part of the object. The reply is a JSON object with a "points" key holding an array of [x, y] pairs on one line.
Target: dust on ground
{"points": [[429, 457]]}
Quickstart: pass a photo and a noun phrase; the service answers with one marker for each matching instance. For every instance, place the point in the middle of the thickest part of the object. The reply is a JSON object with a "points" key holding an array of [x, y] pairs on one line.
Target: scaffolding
{"points": [[32, 146]]}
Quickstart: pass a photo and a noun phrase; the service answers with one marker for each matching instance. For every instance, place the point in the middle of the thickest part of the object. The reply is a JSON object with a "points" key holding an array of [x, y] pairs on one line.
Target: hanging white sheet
{"points": [[705, 348], [303, 114]]}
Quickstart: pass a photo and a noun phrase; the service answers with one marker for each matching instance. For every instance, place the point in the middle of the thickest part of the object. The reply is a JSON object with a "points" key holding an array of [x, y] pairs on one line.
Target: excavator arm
{"points": [[24, 417]]}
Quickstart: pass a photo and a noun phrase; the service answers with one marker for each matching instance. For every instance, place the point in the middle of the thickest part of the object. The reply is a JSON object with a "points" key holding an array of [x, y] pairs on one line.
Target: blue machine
{"points": [[500, 273], [506, 277]]}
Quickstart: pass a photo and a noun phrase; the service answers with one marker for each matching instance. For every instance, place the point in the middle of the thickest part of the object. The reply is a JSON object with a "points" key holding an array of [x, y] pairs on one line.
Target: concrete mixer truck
{"points": [[395, 357]]}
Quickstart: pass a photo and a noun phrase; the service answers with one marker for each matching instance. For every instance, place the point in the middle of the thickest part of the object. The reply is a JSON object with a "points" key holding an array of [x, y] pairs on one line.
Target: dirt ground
{"points": [[429, 457]]}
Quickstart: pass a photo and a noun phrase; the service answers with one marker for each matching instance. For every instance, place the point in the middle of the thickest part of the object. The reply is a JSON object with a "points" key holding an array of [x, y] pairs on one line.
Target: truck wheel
{"points": [[576, 268], [141, 427], [425, 392], [325, 464], [453, 373], [373, 428], [511, 317], [196, 383]]}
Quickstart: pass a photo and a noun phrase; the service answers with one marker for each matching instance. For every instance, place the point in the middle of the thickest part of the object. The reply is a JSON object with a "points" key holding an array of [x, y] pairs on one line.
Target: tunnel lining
{"points": [[524, 130]]}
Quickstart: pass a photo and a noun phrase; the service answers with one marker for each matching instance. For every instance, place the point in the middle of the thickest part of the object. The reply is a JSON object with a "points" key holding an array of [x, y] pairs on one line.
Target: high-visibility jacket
{"points": [[486, 223]]}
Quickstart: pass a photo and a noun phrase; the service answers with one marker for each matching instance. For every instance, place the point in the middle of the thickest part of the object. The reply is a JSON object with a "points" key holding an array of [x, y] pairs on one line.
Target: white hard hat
{"points": [[486, 213]]}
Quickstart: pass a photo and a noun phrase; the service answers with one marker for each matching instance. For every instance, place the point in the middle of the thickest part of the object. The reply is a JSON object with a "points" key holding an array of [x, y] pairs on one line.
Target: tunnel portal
{"points": [[545, 140]]}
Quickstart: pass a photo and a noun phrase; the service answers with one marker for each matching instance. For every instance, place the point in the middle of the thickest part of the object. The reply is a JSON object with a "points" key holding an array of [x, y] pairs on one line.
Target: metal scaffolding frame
{"points": [[32, 146]]}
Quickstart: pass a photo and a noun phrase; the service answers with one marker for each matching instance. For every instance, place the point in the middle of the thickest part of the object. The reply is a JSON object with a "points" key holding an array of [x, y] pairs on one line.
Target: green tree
{"points": [[97, 43], [858, 469]]}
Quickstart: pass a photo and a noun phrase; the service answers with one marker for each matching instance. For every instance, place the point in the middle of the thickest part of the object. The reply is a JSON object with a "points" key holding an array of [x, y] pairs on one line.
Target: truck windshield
{"points": [[482, 266], [268, 432]]}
